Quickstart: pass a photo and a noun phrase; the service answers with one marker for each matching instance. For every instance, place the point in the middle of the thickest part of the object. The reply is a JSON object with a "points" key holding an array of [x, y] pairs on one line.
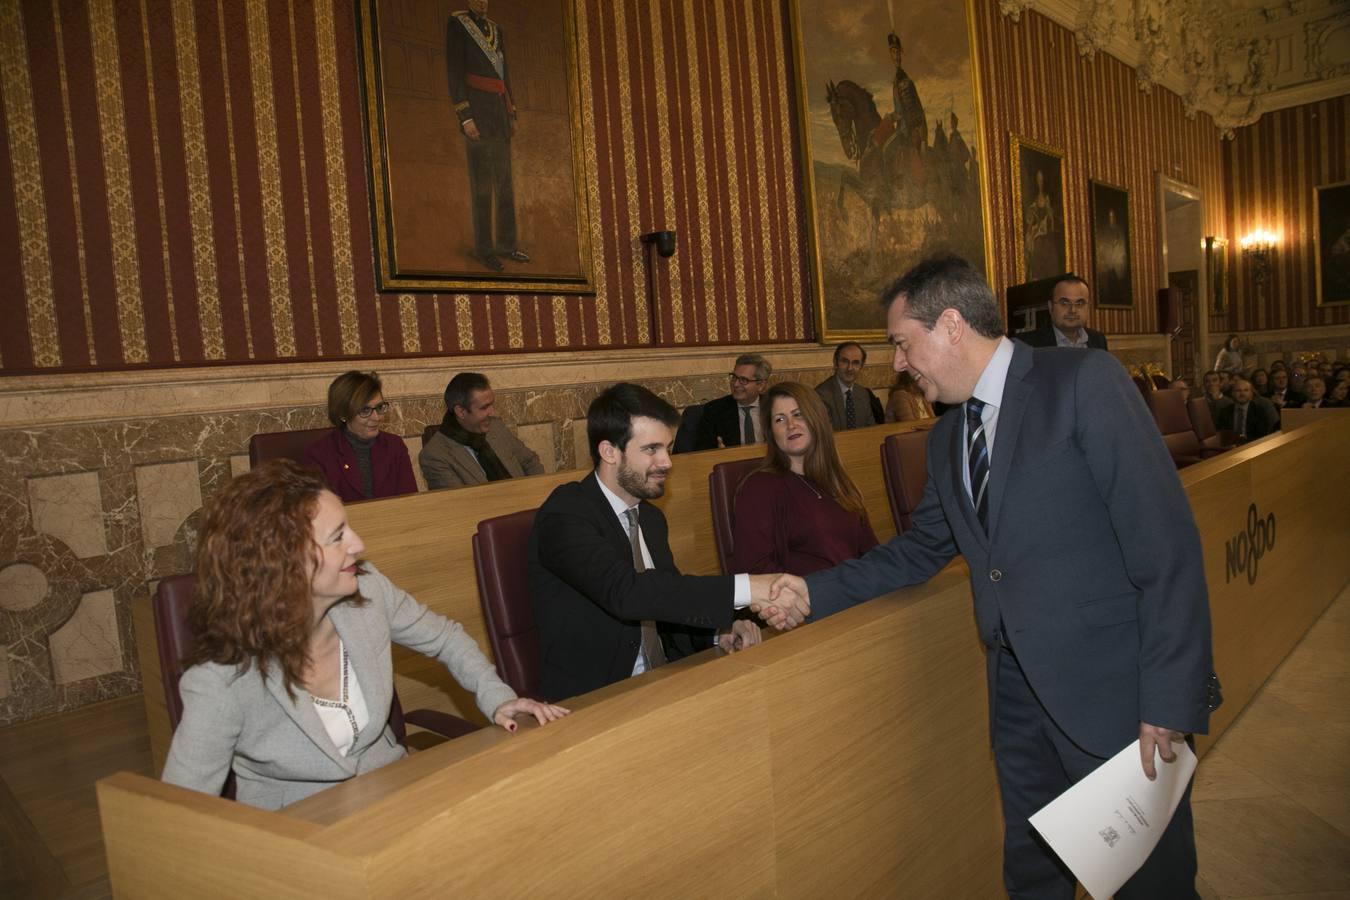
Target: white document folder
{"points": [[1106, 825]]}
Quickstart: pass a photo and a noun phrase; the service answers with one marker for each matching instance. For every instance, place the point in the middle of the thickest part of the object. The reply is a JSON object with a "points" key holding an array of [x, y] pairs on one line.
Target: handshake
{"points": [[782, 601]]}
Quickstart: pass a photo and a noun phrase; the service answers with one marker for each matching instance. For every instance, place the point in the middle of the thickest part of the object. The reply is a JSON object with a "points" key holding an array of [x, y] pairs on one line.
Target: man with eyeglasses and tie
{"points": [[1070, 302], [1084, 559], [733, 420]]}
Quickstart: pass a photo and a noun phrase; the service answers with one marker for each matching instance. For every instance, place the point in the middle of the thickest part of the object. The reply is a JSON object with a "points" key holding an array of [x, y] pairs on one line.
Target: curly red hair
{"points": [[255, 562]]}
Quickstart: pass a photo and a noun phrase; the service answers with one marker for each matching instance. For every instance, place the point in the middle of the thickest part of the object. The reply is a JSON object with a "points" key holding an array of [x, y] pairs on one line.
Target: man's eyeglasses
{"points": [[381, 408], [738, 381], [1065, 303]]}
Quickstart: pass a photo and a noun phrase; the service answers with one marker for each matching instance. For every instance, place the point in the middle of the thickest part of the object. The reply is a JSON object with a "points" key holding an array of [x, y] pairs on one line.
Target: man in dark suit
{"points": [[1052, 481], [1245, 416], [733, 420], [1070, 302], [851, 405], [608, 599], [475, 53]]}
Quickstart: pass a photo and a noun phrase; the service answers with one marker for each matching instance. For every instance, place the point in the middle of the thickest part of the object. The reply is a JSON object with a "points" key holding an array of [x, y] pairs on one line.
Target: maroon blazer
{"points": [[391, 471]]}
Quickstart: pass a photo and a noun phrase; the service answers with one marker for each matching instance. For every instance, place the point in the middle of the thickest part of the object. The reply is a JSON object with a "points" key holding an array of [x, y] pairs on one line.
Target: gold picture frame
{"points": [[423, 168], [1112, 250], [1041, 236], [1331, 242], [853, 216]]}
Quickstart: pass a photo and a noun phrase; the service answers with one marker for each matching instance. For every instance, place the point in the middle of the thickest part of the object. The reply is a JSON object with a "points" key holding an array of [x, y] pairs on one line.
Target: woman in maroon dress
{"points": [[801, 512], [358, 460]]}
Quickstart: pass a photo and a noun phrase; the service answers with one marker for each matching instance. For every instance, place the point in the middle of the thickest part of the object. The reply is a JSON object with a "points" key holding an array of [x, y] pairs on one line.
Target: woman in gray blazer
{"points": [[290, 677]]}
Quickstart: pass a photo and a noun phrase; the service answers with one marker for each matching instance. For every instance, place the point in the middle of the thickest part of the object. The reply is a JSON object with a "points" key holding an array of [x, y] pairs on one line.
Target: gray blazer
{"points": [[448, 464], [277, 746], [1092, 564], [866, 407]]}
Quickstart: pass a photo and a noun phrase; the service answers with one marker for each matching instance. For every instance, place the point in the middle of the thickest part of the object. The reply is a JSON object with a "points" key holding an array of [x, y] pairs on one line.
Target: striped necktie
{"points": [[977, 458], [651, 638]]}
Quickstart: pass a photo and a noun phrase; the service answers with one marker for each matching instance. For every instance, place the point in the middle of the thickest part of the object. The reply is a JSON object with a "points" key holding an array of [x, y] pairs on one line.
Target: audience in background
{"points": [[906, 402], [473, 445], [800, 512], [1070, 303], [850, 405], [1314, 392], [733, 420], [1244, 417], [1339, 395], [1260, 380], [1230, 357], [1181, 384], [1281, 394], [358, 460], [1213, 390], [289, 682]]}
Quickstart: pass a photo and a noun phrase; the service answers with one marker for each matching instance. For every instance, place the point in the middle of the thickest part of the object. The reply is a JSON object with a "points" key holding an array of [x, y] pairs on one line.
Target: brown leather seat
{"points": [[1169, 411], [723, 481], [283, 444], [1212, 442], [499, 550], [904, 463], [173, 639]]}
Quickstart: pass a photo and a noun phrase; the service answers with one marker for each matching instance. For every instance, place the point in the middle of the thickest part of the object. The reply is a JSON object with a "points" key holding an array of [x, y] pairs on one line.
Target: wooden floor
{"points": [[1272, 798]]}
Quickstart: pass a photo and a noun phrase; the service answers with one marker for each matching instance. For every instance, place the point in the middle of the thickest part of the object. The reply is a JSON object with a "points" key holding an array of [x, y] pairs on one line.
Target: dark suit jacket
{"points": [[721, 419], [589, 602], [1092, 564], [391, 471], [866, 407], [1260, 420], [1045, 337]]}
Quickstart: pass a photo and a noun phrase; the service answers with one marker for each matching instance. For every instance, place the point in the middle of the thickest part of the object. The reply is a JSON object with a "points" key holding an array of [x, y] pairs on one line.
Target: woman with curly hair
{"points": [[799, 512], [290, 680]]}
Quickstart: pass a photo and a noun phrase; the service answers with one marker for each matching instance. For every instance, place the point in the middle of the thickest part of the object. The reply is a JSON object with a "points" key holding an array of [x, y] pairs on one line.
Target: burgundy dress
{"points": [[390, 468], [783, 523]]}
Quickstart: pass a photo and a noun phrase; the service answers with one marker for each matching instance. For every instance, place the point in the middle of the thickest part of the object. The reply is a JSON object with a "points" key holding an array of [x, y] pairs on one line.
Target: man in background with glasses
{"points": [[733, 420], [1070, 303]]}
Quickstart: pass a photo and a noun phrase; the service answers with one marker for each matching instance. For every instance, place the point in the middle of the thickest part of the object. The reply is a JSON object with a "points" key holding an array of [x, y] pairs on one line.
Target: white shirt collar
{"points": [[844, 388], [615, 502], [1063, 340], [990, 386]]}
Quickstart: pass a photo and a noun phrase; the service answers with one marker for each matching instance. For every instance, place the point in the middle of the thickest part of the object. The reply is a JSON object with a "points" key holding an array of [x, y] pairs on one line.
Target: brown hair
{"points": [[349, 392], [255, 561], [822, 460]]}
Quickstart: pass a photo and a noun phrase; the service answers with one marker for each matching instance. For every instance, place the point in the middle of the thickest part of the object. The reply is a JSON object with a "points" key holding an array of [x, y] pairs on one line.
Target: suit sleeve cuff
{"points": [[742, 591]]}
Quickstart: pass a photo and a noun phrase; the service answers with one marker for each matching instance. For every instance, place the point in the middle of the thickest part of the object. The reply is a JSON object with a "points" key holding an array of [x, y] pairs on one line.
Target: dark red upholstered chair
{"points": [[904, 463], [1169, 411], [173, 638], [723, 481], [499, 550], [283, 444], [687, 434], [1212, 441]]}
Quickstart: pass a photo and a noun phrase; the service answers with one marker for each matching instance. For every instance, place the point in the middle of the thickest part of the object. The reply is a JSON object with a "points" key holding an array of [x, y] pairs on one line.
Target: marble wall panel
{"points": [[88, 645], [68, 508], [4, 672], [541, 439], [238, 465], [22, 587], [414, 445], [167, 494]]}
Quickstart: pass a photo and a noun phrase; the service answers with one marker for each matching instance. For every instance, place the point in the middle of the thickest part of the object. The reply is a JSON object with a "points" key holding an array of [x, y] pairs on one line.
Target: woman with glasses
{"points": [[800, 512], [358, 460]]}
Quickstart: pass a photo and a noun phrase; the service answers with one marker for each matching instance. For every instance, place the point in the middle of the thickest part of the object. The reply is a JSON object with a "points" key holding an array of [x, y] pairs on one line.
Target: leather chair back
{"points": [[723, 481], [1202, 422], [904, 463], [1174, 422], [500, 548], [172, 599], [687, 434], [283, 444]]}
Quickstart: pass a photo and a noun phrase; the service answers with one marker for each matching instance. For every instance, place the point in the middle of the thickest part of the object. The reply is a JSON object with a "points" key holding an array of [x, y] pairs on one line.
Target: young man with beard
{"points": [[608, 599]]}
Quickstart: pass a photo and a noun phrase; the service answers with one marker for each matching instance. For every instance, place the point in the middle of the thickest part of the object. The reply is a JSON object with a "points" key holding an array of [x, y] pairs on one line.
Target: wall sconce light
{"points": [[664, 242], [1257, 247]]}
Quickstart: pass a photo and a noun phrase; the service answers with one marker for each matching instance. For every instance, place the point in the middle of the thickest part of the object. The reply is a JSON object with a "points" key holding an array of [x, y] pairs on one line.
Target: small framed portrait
{"points": [[1042, 237], [1216, 270], [1332, 203], [1111, 270]]}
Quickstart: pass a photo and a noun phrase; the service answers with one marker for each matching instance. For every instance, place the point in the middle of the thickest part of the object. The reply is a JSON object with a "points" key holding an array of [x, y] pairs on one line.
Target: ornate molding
{"points": [[1229, 61]]}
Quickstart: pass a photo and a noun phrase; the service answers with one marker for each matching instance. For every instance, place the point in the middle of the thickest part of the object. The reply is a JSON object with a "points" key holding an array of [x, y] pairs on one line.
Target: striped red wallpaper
{"points": [[1037, 86], [183, 181], [1270, 170]]}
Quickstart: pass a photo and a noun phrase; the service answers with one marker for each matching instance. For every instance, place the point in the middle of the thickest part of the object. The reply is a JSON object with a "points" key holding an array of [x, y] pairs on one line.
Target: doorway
{"points": [[1181, 241]]}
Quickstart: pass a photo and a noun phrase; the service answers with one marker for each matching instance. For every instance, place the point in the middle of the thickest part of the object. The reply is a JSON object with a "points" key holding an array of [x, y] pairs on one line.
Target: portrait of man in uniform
{"points": [[474, 118]]}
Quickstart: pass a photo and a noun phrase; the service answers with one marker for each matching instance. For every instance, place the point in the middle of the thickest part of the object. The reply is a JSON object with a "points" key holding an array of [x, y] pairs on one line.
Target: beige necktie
{"points": [[651, 638]]}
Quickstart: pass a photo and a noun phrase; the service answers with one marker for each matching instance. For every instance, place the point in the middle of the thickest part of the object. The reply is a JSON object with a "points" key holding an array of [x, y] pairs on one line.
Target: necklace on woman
{"points": [[812, 487]]}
